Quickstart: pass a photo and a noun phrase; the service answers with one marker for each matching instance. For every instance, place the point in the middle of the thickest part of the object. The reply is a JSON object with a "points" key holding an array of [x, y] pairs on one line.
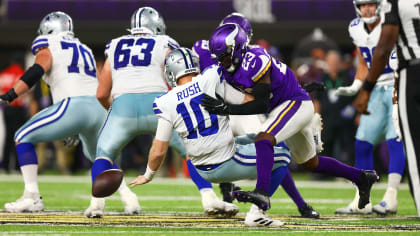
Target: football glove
{"points": [[215, 106], [350, 90]]}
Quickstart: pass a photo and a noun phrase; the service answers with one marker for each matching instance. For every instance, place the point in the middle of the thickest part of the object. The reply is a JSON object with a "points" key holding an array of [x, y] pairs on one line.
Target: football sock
{"points": [[364, 155], [289, 187], [277, 177], [265, 162], [99, 166], [28, 162], [335, 168], [394, 180], [396, 157], [196, 178]]}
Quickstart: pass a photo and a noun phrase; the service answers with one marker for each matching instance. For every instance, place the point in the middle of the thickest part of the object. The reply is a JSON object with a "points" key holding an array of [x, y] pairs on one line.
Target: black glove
{"points": [[314, 86], [215, 106]]}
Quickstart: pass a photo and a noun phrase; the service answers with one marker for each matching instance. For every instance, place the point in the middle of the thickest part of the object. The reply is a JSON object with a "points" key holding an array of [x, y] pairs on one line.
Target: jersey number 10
{"points": [[198, 113]]}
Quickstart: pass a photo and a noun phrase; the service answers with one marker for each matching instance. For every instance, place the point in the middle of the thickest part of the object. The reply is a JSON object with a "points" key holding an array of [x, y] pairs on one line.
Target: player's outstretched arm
{"points": [[43, 62]]}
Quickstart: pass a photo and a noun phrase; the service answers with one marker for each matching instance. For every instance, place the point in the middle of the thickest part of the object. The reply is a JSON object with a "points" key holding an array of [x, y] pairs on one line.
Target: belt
{"points": [[208, 167]]}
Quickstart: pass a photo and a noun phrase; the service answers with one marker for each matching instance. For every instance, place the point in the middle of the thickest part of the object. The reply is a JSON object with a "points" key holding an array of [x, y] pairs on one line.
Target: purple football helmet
{"points": [[241, 20], [228, 45]]}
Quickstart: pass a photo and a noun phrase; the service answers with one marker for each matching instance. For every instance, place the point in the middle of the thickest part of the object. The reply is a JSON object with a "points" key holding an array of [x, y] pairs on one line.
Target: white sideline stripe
{"points": [[337, 184], [43, 121], [411, 152], [198, 198]]}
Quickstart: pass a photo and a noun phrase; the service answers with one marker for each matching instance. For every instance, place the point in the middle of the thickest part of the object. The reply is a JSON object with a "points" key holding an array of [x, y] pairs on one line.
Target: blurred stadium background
{"points": [[299, 32]]}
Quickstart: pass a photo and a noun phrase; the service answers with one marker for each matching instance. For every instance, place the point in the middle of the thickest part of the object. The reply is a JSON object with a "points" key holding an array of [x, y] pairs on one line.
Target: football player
{"points": [[208, 137], [242, 125], [378, 126], [68, 67], [290, 113], [132, 77]]}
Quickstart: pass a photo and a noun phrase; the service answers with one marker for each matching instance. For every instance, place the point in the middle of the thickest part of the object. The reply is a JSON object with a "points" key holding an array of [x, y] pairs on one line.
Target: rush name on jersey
{"points": [[256, 64], [205, 135], [137, 63], [73, 70], [367, 41]]}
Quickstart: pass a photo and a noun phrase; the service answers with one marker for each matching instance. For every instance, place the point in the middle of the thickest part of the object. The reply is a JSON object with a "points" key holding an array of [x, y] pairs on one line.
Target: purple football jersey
{"points": [[201, 47], [256, 64]]}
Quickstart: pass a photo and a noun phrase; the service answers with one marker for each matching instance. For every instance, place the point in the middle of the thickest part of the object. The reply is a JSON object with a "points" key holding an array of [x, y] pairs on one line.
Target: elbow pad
{"points": [[32, 75]]}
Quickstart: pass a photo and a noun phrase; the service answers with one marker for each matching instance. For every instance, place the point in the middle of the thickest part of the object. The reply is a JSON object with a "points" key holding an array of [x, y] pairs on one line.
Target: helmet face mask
{"points": [[55, 23], [367, 20], [228, 45], [180, 62], [147, 20]]}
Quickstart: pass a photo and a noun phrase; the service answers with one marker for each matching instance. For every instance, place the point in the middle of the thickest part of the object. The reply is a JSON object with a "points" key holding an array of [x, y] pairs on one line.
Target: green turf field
{"points": [[173, 207]]}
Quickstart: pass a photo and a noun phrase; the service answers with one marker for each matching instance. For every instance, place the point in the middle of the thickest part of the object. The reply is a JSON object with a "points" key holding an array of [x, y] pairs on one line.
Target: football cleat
{"points": [[227, 191], [308, 212], [131, 203], [367, 179], [316, 124], [257, 218], [258, 197], [213, 205], [384, 208], [29, 202], [352, 208], [96, 208]]}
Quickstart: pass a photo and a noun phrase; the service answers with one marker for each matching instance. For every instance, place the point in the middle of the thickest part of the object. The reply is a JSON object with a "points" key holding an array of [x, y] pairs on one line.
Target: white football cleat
{"points": [[29, 202], [257, 218], [96, 208], [131, 203], [389, 203], [213, 205], [353, 209]]}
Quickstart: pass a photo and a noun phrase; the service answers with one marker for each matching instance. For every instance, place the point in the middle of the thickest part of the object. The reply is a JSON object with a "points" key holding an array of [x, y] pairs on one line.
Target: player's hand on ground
{"points": [[215, 106], [139, 181]]}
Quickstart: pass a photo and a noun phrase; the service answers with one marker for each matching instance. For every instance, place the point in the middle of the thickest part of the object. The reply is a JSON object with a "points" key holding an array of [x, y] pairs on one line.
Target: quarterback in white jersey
{"points": [[131, 79], [378, 125], [69, 69], [208, 138]]}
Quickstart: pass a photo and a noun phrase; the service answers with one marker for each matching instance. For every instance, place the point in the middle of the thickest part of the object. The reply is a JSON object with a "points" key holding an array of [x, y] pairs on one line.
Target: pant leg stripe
{"points": [[284, 117], [409, 145], [43, 121]]}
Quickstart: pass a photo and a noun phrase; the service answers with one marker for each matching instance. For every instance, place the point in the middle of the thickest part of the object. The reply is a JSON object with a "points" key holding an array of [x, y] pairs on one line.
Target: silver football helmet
{"points": [[147, 20], [180, 62], [56, 22], [367, 20]]}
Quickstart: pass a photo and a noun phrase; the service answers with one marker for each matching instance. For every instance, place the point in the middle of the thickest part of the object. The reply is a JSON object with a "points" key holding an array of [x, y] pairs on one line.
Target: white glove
{"points": [[395, 121], [350, 90]]}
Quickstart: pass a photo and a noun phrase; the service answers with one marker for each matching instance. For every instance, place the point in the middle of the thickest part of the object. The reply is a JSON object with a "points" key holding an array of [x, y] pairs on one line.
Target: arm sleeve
{"points": [[163, 130], [391, 12]]}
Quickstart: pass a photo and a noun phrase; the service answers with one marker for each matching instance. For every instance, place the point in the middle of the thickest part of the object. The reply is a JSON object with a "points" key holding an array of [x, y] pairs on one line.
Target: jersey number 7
{"points": [[86, 55]]}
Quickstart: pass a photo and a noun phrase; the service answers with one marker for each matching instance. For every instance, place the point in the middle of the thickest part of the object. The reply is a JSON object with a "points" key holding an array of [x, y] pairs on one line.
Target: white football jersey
{"points": [[208, 138], [73, 70], [137, 63], [367, 43]]}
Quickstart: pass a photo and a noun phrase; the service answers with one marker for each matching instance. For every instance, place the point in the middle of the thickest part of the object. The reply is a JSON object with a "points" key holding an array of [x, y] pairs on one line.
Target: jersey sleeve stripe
{"points": [[39, 40], [260, 75], [36, 47], [157, 110], [172, 45]]}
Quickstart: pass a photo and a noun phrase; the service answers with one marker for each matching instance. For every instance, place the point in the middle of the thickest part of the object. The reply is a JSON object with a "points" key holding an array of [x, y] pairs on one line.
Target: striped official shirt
{"points": [[405, 14]]}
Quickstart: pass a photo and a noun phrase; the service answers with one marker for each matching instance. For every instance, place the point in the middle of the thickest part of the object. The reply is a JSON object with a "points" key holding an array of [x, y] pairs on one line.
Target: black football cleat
{"points": [[308, 212], [367, 179], [227, 191], [257, 196]]}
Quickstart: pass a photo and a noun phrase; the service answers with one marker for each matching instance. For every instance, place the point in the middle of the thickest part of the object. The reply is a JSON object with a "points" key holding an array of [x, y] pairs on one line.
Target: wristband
{"points": [[368, 86], [149, 173]]}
